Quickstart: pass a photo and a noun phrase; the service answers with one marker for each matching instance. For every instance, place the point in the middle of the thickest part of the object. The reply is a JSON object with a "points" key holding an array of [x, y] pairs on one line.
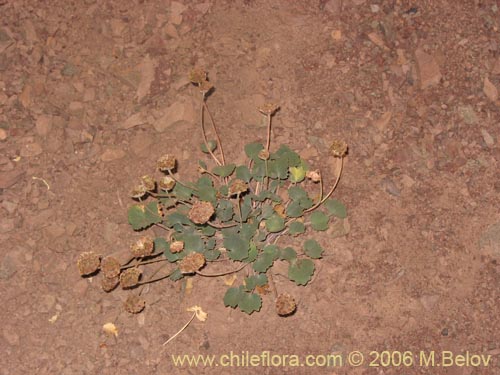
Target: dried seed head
{"points": [[109, 284], [263, 154], [143, 247], [88, 262], [197, 76], [201, 212], [166, 183], [176, 246], [237, 186], [205, 87], [110, 266], [130, 277], [280, 210], [148, 182], [338, 148], [285, 304], [269, 109], [192, 263], [138, 191], [166, 163], [134, 304], [314, 176]]}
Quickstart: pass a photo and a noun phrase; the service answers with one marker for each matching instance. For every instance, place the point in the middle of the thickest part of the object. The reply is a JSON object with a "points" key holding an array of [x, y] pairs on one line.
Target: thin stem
{"points": [[239, 209], [331, 190], [219, 144], [127, 265], [203, 107], [179, 182], [268, 143], [180, 331], [221, 273], [273, 285], [151, 280], [221, 226]]}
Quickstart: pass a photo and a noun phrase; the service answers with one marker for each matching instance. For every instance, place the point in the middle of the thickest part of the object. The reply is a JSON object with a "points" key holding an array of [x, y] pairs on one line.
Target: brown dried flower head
{"points": [[110, 266], [166, 163], [285, 304], [138, 191], [269, 109], [166, 183], [237, 186], [143, 247], [338, 148], [205, 87], [108, 284], [263, 154], [88, 262], [201, 212], [148, 182], [314, 176], [134, 304], [197, 76], [192, 263], [176, 246], [130, 277]]}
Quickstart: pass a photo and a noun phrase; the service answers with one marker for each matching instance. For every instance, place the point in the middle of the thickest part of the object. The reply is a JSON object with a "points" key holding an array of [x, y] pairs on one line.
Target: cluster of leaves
{"points": [[232, 214], [244, 226]]}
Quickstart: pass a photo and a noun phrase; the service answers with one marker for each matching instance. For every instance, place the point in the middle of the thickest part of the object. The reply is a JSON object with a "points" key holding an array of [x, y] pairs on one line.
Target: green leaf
{"points": [[294, 210], [207, 194], [288, 254], [224, 211], [267, 211], [252, 253], [319, 221], [250, 302], [141, 216], [192, 242], [177, 218], [336, 208], [246, 208], [202, 164], [247, 231], [296, 227], [176, 275], [278, 168], [300, 271], [208, 231], [258, 170], [296, 193], [223, 170], [224, 190], [275, 223], [305, 203], [252, 150], [243, 173], [210, 244], [211, 255], [313, 249], [263, 262], [256, 280], [182, 192], [168, 202], [293, 159], [297, 174], [233, 297], [237, 247], [211, 146]]}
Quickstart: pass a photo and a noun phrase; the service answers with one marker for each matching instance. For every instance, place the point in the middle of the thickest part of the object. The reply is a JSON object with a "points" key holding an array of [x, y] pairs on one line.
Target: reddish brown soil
{"points": [[412, 86]]}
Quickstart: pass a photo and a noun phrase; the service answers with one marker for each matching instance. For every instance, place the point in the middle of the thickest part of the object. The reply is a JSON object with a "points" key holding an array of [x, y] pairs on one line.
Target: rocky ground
{"points": [[91, 93]]}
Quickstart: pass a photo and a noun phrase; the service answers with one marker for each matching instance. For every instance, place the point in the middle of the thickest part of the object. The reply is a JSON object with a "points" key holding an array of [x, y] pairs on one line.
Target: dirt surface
{"points": [[91, 93]]}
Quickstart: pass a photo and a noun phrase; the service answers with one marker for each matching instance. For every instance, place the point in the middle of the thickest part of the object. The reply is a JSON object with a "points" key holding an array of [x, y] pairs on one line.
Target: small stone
{"points": [[43, 125], [6, 225], [390, 187], [340, 228], [112, 154], [333, 6], [8, 267], [488, 139], [180, 113], [55, 230], [47, 302], [429, 301], [336, 35], [31, 150], [3, 134], [262, 57], [468, 114], [490, 90], [134, 120], [428, 69], [489, 240], [89, 95], [9, 206], [375, 8]]}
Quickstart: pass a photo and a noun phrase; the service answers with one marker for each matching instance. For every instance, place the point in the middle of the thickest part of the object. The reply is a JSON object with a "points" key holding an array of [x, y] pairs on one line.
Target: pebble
{"points": [[429, 301], [489, 240], [134, 120], [43, 125], [46, 303], [6, 225], [3, 134], [7, 179], [140, 144], [10, 336], [488, 139], [428, 69], [179, 112], [8, 267], [490, 90], [468, 114], [31, 150], [112, 154], [390, 187], [55, 230]]}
